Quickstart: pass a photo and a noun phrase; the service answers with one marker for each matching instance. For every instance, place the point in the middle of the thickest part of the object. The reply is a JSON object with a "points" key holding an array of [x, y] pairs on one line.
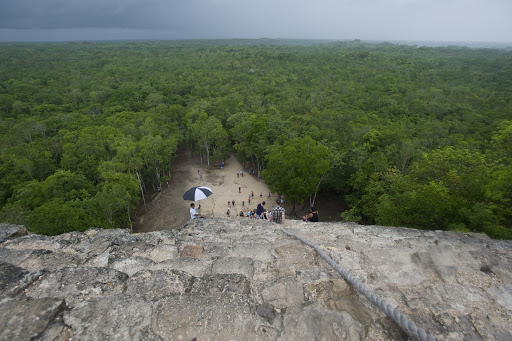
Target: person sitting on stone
{"points": [[312, 216]]}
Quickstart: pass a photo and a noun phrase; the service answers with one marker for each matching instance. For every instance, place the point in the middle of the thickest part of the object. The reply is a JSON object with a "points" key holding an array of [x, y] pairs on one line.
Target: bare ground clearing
{"points": [[167, 210]]}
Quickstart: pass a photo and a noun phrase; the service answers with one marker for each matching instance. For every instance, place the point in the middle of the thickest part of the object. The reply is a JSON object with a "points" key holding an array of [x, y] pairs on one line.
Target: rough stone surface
{"points": [[194, 251], [25, 319], [232, 279], [8, 231]]}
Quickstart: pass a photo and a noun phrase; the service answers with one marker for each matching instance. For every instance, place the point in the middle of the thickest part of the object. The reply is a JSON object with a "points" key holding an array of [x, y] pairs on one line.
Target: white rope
{"points": [[407, 326]]}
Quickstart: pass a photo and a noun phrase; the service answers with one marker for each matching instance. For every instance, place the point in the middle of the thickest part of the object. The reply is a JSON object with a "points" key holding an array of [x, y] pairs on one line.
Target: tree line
{"points": [[409, 136]]}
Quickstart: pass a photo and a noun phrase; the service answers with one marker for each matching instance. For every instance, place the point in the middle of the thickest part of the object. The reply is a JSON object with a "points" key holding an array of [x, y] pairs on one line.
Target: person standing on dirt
{"points": [[277, 214]]}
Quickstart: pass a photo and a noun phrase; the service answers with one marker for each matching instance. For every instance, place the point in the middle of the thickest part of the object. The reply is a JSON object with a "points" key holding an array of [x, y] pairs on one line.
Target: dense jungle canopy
{"points": [[409, 136]]}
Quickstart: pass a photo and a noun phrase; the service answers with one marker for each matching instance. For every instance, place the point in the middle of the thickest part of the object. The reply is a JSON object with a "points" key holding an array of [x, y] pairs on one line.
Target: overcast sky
{"points": [[390, 20]]}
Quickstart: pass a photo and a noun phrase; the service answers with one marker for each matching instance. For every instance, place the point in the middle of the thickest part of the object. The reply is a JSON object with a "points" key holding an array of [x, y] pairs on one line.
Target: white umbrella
{"points": [[197, 193]]}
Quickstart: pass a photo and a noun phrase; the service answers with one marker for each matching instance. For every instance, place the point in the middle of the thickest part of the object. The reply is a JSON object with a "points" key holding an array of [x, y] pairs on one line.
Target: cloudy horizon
{"points": [[380, 20]]}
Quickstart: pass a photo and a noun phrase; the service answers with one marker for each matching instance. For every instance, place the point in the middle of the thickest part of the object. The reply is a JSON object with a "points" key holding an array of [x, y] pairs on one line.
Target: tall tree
{"points": [[295, 168]]}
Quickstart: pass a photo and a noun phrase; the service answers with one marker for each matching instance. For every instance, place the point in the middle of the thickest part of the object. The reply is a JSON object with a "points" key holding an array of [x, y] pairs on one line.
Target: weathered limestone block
{"points": [[25, 319], [261, 271], [195, 267], [292, 256], [50, 261], [154, 285], [16, 257], [76, 243], [193, 251], [14, 279], [75, 285], [502, 295], [162, 252], [307, 323], [282, 292], [131, 265], [57, 331], [221, 284], [259, 251], [34, 242], [393, 266], [131, 248], [100, 260], [216, 250], [233, 265], [9, 231], [232, 317], [117, 317]]}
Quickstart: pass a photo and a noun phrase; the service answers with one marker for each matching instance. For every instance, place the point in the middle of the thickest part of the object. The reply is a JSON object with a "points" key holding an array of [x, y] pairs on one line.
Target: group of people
{"points": [[259, 213], [276, 215]]}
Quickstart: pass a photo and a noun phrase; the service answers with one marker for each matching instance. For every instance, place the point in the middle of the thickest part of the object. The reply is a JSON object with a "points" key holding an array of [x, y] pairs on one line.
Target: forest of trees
{"points": [[409, 136]]}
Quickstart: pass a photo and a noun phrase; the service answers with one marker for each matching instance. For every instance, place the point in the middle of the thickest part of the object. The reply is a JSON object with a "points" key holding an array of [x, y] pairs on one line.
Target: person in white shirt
{"points": [[193, 211]]}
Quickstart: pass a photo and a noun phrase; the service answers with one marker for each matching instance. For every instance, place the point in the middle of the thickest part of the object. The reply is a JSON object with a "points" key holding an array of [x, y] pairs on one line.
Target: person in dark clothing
{"points": [[260, 211], [312, 216]]}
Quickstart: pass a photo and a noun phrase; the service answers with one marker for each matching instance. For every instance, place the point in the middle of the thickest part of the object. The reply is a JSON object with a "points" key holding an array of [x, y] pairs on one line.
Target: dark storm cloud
{"points": [[462, 20], [54, 14]]}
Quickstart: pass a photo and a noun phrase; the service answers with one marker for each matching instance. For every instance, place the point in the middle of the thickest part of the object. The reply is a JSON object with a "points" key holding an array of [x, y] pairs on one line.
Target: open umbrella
{"points": [[197, 193]]}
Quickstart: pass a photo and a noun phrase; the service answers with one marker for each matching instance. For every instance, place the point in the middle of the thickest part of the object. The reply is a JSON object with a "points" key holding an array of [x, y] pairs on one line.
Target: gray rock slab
{"points": [[283, 292], [8, 231], [51, 261], [193, 251], [262, 252], [221, 284], [309, 322], [34, 242], [292, 257], [14, 279], [233, 265], [118, 317], [502, 295], [162, 252], [16, 257], [159, 283], [195, 267], [131, 265], [11, 276], [100, 260], [76, 285], [25, 319], [233, 317]]}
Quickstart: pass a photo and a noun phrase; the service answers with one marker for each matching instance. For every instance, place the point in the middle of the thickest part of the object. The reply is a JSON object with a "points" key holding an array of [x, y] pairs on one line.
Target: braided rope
{"points": [[407, 326]]}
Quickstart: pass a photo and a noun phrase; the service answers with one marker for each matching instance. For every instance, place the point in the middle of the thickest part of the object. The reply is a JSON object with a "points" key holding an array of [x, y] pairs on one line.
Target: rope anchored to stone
{"points": [[407, 326]]}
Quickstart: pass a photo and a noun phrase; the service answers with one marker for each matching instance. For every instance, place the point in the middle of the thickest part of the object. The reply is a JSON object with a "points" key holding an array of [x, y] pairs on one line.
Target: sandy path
{"points": [[168, 210]]}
